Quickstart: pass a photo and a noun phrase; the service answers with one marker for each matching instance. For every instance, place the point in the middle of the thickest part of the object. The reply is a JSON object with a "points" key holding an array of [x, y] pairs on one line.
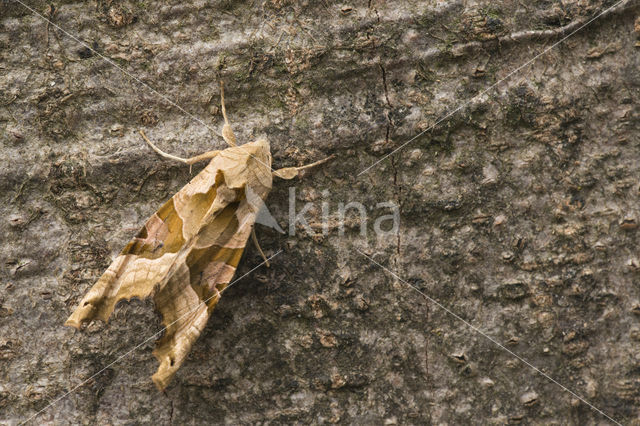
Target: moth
{"points": [[187, 252]]}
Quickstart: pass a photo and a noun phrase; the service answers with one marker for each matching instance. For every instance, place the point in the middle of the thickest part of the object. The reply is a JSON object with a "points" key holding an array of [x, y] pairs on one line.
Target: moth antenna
{"points": [[224, 110], [317, 163], [292, 172], [227, 133], [206, 156], [159, 151]]}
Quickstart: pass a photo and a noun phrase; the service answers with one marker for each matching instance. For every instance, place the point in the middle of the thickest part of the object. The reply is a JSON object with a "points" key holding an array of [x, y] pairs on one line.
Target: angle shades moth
{"points": [[188, 251]]}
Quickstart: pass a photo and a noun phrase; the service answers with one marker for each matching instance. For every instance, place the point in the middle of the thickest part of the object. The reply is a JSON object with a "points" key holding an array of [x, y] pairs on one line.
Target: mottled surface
{"points": [[519, 213]]}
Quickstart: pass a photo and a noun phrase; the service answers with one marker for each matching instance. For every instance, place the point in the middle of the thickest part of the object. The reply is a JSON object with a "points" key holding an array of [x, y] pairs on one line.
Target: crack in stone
{"points": [[170, 408], [384, 84], [389, 106]]}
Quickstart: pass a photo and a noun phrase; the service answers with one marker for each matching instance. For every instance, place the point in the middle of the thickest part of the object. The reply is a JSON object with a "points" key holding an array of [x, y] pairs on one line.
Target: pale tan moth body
{"points": [[188, 251]]}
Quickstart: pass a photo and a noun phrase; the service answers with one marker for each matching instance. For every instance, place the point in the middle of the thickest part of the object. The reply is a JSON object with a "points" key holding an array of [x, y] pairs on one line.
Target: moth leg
{"points": [[255, 241], [291, 172], [206, 156], [227, 133]]}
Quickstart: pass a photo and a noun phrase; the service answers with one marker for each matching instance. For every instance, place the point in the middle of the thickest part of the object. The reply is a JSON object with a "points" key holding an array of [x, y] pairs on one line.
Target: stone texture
{"points": [[519, 212]]}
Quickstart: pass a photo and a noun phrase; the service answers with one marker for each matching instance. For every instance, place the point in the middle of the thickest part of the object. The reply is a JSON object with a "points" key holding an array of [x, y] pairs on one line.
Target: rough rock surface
{"points": [[519, 212]]}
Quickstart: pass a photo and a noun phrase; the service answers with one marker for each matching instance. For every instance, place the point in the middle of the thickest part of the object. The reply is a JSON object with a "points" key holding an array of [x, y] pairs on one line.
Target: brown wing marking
{"points": [[161, 234]]}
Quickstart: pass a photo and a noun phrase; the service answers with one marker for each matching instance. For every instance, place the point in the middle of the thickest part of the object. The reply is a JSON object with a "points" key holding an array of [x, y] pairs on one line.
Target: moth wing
{"points": [[208, 266], [147, 258], [185, 255], [193, 289]]}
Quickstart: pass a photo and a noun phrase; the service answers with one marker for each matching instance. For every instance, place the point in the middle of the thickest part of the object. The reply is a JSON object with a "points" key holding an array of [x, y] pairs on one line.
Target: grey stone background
{"points": [[519, 212]]}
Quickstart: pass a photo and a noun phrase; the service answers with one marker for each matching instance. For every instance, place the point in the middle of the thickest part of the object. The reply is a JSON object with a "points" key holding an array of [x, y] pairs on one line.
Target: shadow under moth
{"points": [[187, 252]]}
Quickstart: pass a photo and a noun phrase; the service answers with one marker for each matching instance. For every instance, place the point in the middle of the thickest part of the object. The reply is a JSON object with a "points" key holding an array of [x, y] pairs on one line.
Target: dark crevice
{"points": [[397, 191], [388, 130], [170, 411], [384, 84], [426, 356], [388, 109], [383, 73]]}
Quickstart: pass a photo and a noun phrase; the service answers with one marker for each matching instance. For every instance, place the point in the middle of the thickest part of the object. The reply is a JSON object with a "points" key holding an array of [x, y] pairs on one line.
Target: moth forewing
{"points": [[187, 252]]}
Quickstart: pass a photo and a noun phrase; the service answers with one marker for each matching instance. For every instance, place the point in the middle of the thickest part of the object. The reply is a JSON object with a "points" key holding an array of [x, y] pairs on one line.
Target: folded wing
{"points": [[184, 256]]}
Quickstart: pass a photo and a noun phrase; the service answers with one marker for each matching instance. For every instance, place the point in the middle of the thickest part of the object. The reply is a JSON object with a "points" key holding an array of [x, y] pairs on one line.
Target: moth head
{"points": [[264, 150], [255, 170], [262, 142]]}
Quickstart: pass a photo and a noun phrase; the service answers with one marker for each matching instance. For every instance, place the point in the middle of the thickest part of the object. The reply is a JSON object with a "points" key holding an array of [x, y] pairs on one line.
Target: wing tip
{"points": [[166, 370], [160, 382], [85, 313], [72, 322]]}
